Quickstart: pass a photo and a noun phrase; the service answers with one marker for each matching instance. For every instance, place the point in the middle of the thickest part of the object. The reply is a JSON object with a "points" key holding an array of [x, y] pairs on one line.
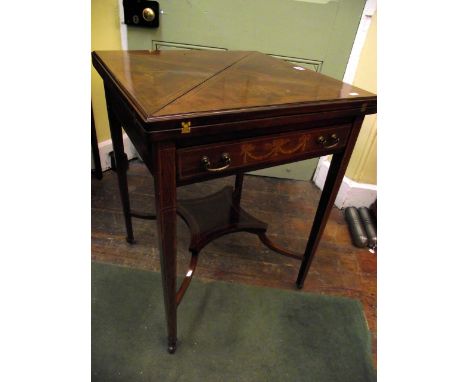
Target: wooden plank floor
{"points": [[288, 206]]}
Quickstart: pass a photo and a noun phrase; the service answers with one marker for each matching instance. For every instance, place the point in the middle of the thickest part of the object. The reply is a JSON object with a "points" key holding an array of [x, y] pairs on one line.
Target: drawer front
{"points": [[254, 153]]}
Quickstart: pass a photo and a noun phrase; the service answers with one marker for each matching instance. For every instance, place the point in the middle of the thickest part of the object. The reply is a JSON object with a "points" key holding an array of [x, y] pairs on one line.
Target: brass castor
{"points": [[171, 348]]}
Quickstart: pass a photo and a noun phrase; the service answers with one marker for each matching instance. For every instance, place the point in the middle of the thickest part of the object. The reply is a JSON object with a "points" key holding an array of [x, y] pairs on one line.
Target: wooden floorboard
{"points": [[288, 206]]}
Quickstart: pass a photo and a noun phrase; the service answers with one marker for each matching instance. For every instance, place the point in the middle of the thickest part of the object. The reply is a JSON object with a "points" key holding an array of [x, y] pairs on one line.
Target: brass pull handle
{"points": [[328, 143], [224, 158]]}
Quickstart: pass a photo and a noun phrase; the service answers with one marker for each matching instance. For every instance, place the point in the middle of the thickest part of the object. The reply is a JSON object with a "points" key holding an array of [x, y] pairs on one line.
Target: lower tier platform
{"points": [[211, 217]]}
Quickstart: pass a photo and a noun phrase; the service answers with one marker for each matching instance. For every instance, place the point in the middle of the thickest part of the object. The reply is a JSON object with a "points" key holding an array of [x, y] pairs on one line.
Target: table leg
{"points": [[95, 149], [165, 195], [330, 190], [236, 197], [121, 164]]}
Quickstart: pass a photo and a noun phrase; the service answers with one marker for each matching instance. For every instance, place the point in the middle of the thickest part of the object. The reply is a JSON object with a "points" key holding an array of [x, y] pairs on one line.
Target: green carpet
{"points": [[227, 332]]}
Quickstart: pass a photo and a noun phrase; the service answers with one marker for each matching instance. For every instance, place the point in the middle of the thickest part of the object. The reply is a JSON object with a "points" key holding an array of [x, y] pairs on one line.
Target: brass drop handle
{"points": [[328, 143], [225, 158]]}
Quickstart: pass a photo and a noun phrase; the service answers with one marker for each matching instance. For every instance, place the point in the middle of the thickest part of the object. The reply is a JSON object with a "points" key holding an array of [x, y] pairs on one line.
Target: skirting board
{"points": [[351, 193], [105, 148]]}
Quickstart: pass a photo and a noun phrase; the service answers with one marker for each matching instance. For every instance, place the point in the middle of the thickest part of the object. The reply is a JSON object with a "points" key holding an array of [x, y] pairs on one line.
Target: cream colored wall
{"points": [[105, 35], [362, 167]]}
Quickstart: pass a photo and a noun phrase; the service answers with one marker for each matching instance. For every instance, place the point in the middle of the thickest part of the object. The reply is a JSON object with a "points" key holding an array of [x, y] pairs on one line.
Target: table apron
{"points": [[257, 153]]}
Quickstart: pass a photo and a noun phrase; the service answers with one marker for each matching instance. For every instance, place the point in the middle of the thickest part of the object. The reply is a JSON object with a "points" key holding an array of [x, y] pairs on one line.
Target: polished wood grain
{"points": [[209, 87], [261, 152], [183, 110], [165, 200], [121, 164], [259, 80], [155, 79], [330, 190], [97, 172]]}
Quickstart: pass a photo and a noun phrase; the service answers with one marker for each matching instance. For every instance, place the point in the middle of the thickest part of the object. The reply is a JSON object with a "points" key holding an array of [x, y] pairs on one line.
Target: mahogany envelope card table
{"points": [[198, 115]]}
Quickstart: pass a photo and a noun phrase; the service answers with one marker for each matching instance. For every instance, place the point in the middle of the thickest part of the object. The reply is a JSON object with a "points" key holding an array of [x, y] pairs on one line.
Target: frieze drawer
{"points": [[206, 161]]}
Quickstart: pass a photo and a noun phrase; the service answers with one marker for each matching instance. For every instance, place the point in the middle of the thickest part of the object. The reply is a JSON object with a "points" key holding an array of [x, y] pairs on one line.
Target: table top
{"points": [[176, 85]]}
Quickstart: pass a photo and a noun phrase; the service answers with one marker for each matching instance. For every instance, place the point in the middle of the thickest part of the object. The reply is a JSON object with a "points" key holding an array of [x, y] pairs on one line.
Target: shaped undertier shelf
{"points": [[216, 215], [211, 217]]}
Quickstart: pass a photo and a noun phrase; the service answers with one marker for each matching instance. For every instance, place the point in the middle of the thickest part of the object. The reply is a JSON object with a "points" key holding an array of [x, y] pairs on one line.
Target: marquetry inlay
{"points": [[276, 147]]}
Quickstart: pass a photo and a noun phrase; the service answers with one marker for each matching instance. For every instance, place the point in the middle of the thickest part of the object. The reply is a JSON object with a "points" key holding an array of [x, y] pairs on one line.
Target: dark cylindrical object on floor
{"points": [[373, 212], [358, 233], [369, 227]]}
